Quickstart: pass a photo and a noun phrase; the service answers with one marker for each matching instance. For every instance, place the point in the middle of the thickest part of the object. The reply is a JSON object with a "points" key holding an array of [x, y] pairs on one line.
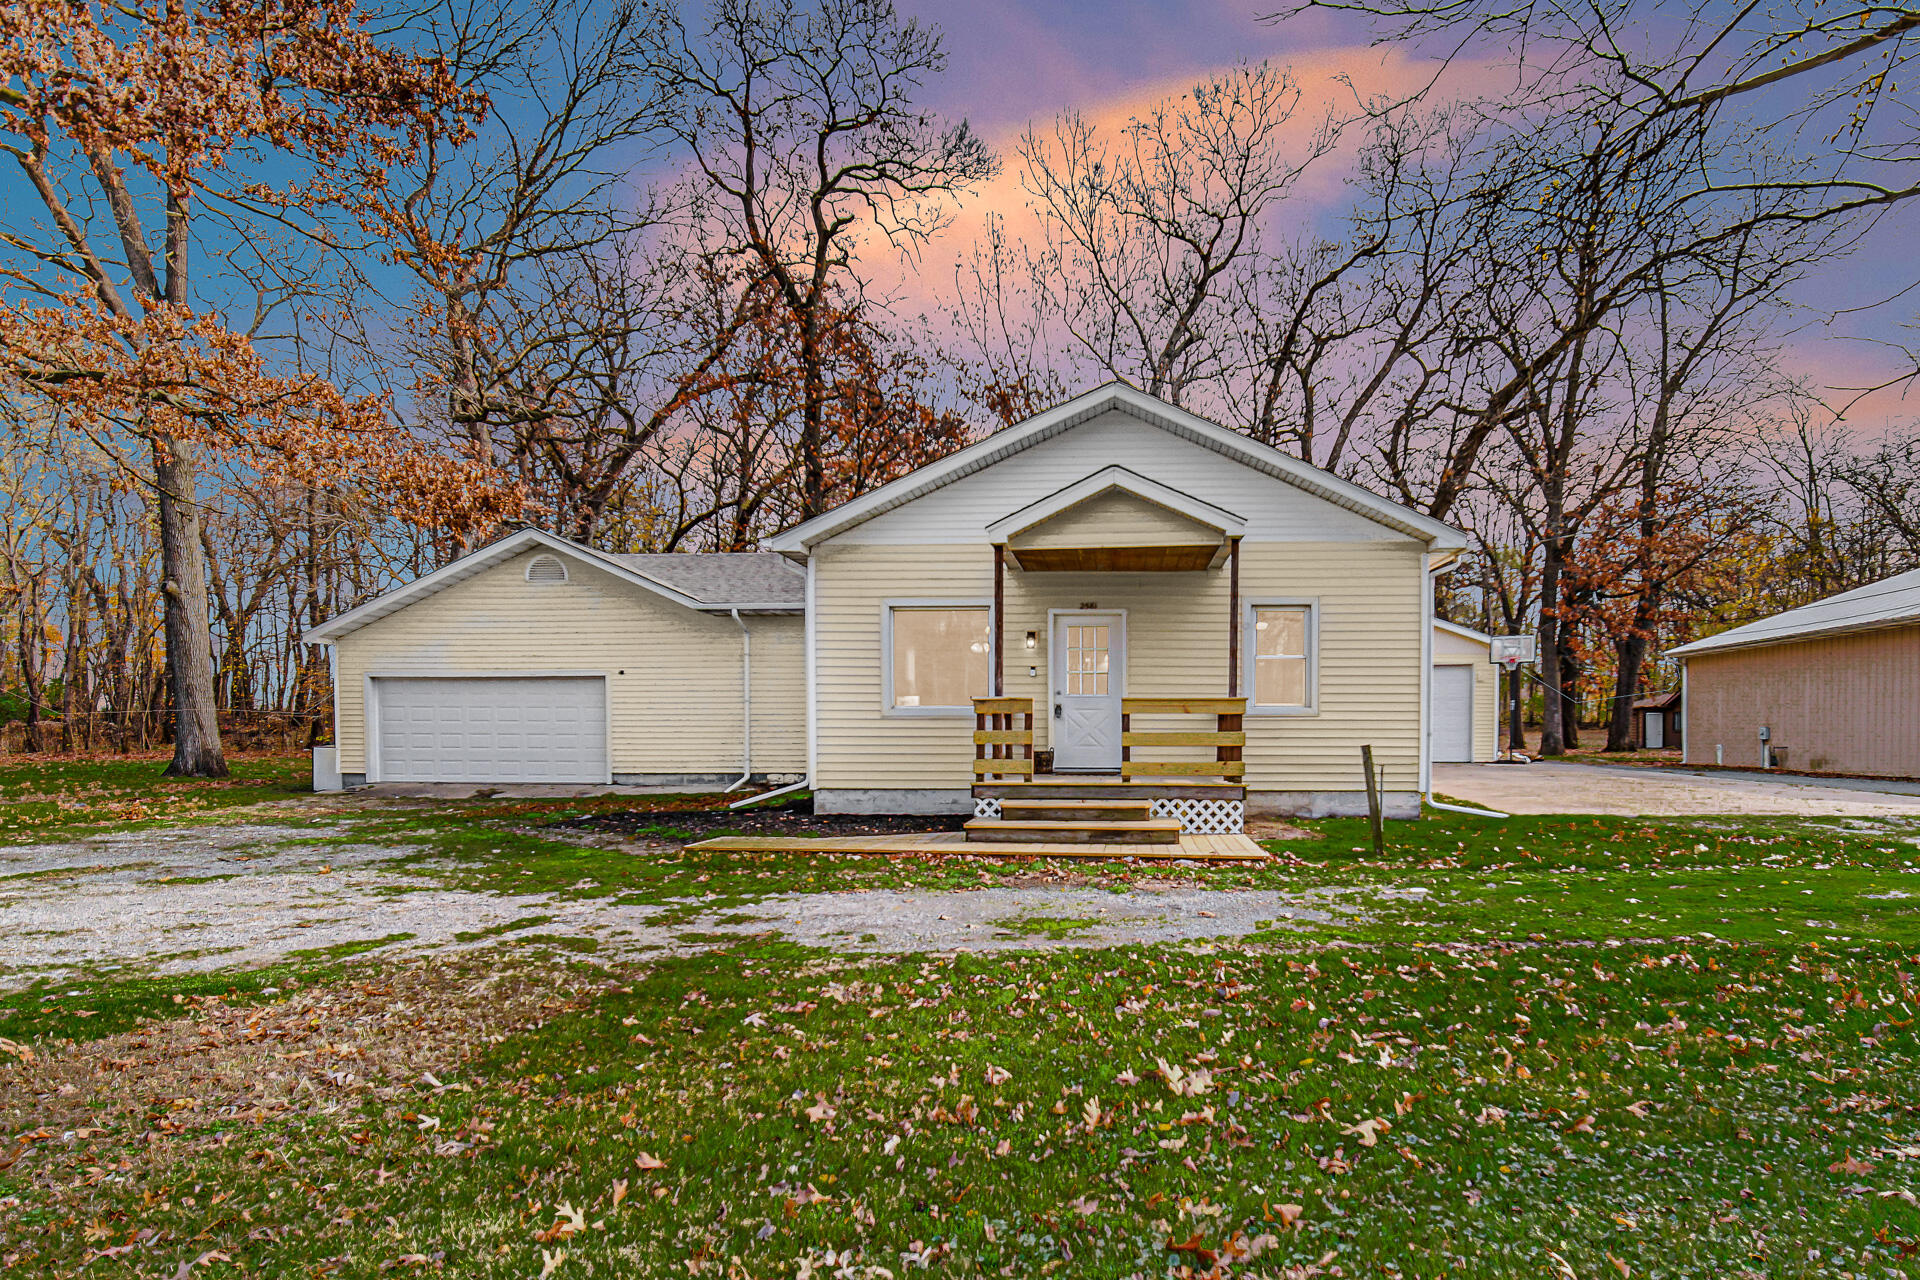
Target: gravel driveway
{"points": [[204, 898], [1556, 787]]}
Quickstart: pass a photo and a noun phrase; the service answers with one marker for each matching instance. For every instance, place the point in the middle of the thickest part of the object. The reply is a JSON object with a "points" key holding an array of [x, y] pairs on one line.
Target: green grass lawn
{"points": [[1547, 1047], [61, 796]]}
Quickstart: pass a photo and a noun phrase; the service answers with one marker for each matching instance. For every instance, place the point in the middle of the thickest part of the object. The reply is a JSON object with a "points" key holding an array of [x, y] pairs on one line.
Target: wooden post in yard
{"points": [[1375, 819]]}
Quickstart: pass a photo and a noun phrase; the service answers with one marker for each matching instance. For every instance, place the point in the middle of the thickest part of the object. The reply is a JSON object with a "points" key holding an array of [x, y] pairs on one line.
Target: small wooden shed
{"points": [[1658, 720]]}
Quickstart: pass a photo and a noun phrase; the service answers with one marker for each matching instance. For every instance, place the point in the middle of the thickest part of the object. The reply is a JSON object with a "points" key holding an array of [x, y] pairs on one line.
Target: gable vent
{"points": [[546, 569]]}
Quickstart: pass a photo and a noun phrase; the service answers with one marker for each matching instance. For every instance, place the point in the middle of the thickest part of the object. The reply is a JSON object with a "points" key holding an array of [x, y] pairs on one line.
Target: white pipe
{"points": [[768, 795], [1429, 576], [813, 713], [1426, 701], [1456, 808], [746, 705]]}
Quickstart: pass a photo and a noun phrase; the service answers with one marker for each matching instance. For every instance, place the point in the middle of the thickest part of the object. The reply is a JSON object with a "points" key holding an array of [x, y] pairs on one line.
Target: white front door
{"points": [[1656, 729], [1089, 669]]}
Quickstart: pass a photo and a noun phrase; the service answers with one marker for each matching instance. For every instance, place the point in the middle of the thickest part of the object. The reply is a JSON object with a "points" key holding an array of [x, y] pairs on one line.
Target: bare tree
{"points": [[1144, 233], [802, 125], [1339, 342]]}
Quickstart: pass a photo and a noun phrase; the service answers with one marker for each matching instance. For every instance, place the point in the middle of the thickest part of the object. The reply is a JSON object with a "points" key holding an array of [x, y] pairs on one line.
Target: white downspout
{"points": [[746, 704], [1686, 723], [812, 709], [1426, 701]]}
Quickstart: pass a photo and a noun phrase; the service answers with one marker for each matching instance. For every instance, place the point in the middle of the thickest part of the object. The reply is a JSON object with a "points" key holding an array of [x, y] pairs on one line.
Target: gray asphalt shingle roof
{"points": [[723, 577], [1878, 604]]}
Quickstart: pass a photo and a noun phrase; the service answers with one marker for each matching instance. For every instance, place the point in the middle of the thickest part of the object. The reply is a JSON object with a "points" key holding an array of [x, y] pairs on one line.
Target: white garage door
{"points": [[491, 729], [1452, 729]]}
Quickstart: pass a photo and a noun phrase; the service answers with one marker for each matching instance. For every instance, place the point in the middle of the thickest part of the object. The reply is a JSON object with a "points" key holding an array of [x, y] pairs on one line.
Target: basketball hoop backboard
{"points": [[1511, 651]]}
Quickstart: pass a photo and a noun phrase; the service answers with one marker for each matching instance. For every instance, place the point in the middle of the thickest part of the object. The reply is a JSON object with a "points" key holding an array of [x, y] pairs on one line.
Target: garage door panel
{"points": [[1451, 732], [491, 729]]}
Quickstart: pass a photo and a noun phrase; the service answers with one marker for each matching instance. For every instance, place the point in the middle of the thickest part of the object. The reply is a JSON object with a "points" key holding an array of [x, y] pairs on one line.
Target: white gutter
{"points": [[746, 704], [1426, 698], [1428, 577], [813, 709]]}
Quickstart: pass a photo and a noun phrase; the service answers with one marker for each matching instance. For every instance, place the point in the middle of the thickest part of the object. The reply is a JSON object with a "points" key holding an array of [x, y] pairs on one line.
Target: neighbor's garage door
{"points": [[1452, 727], [491, 729]]}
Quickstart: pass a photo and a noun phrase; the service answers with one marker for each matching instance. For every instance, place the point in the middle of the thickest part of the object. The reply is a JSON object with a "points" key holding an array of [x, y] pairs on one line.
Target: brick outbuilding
{"points": [[1830, 687]]}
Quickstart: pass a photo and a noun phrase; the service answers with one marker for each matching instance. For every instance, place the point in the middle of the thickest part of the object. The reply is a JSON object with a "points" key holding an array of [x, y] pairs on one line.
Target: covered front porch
{"points": [[1130, 719]]}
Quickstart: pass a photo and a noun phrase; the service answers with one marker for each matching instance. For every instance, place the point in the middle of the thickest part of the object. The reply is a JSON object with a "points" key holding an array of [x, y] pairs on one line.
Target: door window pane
{"points": [[1088, 650], [940, 656], [1281, 665]]}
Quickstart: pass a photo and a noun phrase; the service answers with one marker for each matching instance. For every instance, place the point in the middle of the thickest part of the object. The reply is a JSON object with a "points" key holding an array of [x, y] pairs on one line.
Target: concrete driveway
{"points": [[1554, 787]]}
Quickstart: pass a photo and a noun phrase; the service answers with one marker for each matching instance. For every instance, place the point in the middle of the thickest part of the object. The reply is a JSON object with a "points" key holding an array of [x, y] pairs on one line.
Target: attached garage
{"points": [[488, 729], [539, 660]]}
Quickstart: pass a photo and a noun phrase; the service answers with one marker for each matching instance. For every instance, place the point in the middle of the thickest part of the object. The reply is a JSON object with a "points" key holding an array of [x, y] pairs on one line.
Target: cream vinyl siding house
{"points": [[1140, 579], [1120, 480], [536, 622]]}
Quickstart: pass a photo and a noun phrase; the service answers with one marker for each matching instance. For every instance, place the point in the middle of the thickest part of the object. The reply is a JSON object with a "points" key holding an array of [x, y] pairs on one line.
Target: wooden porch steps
{"points": [[1095, 809], [1032, 831], [1098, 820]]}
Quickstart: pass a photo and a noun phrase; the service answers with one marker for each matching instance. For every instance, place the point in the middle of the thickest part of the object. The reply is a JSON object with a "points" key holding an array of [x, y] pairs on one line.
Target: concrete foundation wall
{"points": [[893, 800], [1330, 804]]}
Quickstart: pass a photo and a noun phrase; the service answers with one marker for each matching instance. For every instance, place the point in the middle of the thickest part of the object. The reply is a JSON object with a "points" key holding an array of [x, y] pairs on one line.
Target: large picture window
{"points": [[941, 656], [1283, 657]]}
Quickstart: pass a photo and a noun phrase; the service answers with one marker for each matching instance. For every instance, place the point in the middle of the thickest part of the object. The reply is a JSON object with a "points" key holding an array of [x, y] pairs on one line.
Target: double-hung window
{"points": [[1281, 651], [938, 656]]}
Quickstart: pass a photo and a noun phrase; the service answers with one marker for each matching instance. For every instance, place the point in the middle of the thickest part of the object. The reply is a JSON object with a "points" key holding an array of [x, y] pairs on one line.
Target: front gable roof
{"points": [[753, 586], [1003, 445], [1116, 479]]}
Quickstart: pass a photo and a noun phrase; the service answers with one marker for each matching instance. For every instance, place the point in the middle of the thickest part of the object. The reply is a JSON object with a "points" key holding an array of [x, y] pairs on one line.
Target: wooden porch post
{"points": [[999, 621], [1233, 619]]}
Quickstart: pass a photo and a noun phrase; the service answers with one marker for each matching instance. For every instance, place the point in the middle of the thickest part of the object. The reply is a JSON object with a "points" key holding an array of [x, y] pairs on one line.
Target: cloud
{"points": [[1333, 79]]}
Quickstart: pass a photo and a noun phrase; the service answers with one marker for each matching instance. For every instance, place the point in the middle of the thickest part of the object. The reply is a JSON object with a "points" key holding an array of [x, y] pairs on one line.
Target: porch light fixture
{"points": [[1033, 639]]}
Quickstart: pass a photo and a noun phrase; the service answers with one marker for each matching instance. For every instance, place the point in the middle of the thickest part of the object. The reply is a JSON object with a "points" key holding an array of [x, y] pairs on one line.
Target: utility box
{"points": [[326, 769]]}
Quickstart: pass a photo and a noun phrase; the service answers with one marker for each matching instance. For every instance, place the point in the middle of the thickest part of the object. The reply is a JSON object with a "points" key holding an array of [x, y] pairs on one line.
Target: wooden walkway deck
{"points": [[1195, 848]]}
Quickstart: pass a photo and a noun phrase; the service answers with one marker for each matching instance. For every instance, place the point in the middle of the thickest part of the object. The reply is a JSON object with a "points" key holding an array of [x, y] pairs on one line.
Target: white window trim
{"points": [[887, 608], [1249, 644]]}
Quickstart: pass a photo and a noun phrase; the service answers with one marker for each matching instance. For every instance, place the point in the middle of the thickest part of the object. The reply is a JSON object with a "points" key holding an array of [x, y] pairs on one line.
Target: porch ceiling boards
{"points": [[1174, 559]]}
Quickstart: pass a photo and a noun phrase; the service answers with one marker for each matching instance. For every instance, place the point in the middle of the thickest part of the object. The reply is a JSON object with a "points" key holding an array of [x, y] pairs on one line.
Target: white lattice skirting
{"points": [[1205, 817], [1197, 817]]}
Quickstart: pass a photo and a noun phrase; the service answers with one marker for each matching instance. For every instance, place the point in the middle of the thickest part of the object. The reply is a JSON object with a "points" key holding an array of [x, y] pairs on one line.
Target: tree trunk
{"points": [[32, 635], [1516, 700], [189, 625], [813, 492], [1569, 697], [1629, 656], [1553, 740]]}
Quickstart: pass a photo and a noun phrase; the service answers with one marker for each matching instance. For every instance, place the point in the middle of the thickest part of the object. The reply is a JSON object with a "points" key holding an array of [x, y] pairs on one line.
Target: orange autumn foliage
{"points": [[132, 97]]}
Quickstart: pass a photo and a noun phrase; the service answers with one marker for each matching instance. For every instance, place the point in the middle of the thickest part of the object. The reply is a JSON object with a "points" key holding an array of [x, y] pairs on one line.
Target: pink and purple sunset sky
{"points": [[1018, 62]]}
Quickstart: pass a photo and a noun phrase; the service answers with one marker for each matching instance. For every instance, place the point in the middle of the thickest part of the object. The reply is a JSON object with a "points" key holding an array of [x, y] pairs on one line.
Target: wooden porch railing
{"points": [[1227, 738], [1000, 747]]}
